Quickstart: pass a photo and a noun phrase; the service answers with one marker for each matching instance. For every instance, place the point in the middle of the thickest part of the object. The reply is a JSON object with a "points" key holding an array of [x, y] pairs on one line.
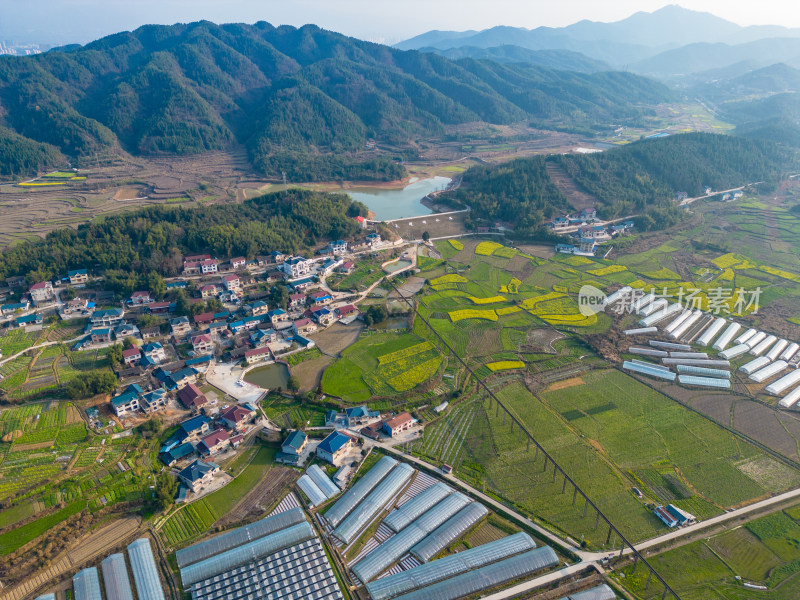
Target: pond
{"points": [[392, 323], [389, 204], [270, 377], [397, 266]]}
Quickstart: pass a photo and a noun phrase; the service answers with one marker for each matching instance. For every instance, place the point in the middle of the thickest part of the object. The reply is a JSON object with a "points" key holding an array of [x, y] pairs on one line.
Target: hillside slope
{"points": [[292, 96]]}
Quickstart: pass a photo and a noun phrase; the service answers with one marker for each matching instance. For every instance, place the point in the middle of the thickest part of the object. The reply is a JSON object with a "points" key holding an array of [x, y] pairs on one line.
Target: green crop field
{"points": [[764, 552]]}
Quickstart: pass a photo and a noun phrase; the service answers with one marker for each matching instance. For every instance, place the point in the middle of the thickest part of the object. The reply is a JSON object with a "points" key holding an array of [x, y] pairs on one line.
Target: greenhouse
{"points": [[601, 592], [239, 536], [755, 340], [642, 302], [727, 337], [449, 566], [785, 382], [246, 553], [390, 551], [487, 577], [299, 571], [86, 584], [324, 483], [734, 351], [653, 307], [315, 495], [369, 507], [648, 352], [417, 506], [764, 345], [777, 349], [769, 371], [712, 331], [115, 578], [671, 346], [704, 371], [697, 362], [645, 363], [660, 315], [754, 365], [710, 382], [653, 371], [145, 572], [790, 399], [790, 351], [746, 336], [449, 531], [359, 491]]}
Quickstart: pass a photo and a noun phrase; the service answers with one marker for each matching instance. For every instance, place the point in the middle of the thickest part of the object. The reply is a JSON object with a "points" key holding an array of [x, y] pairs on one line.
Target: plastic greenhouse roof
{"points": [[417, 506], [449, 566], [247, 553], [692, 370], [368, 508], [359, 491], [311, 489], [652, 371], [145, 572], [322, 480], [449, 531], [487, 577], [87, 584], [390, 551], [239, 536], [711, 382], [115, 578]]}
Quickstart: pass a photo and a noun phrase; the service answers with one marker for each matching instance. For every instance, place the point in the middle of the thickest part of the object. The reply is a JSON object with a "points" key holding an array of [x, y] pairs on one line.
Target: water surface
{"points": [[270, 377], [390, 204]]}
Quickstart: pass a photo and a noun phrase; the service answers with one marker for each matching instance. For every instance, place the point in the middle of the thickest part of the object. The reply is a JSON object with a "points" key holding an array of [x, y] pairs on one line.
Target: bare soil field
{"points": [[309, 372], [262, 498], [337, 337], [576, 195], [437, 226]]}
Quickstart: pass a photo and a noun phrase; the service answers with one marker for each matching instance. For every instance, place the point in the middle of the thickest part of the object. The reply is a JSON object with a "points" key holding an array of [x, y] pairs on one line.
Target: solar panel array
{"points": [[115, 578], [299, 571], [449, 566], [145, 572]]}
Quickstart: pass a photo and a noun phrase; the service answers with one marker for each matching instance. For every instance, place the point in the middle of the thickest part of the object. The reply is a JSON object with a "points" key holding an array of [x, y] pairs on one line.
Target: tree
{"points": [[183, 307], [293, 384], [156, 284], [68, 293], [130, 342], [376, 313], [115, 355], [279, 296], [91, 384], [166, 488], [425, 236]]}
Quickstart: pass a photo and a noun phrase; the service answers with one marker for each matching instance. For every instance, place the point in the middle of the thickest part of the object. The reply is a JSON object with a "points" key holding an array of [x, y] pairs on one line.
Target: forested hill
{"points": [[132, 245], [290, 95], [641, 178]]}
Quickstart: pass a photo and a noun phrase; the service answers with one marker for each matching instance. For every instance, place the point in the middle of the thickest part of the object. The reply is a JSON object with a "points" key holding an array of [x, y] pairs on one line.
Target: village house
{"points": [[153, 401], [202, 344], [125, 330], [232, 283], [214, 443], [107, 317], [127, 402], [373, 240], [238, 416], [141, 298], [209, 291], [203, 319], [346, 267], [78, 278], [346, 311], [257, 355], [322, 316], [398, 424], [296, 267], [246, 324], [180, 326], [198, 475], [76, 306], [161, 307], [192, 398], [319, 298], [154, 352], [277, 316], [263, 337], [42, 292], [292, 448], [304, 326], [259, 307], [149, 333], [10, 309], [303, 284], [277, 258], [297, 300], [238, 263], [193, 429], [334, 447], [338, 247], [131, 356], [182, 378], [100, 336]]}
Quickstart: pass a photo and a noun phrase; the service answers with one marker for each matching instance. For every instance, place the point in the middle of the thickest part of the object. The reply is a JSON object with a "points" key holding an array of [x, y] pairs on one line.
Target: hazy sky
{"points": [[389, 21]]}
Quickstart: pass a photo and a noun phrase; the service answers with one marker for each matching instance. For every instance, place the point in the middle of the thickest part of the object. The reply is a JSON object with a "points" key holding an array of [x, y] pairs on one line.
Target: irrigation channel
{"points": [[548, 460]]}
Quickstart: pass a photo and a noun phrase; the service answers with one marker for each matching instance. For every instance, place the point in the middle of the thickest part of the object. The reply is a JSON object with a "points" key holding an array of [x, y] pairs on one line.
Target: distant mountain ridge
{"points": [[304, 101], [561, 60], [627, 43]]}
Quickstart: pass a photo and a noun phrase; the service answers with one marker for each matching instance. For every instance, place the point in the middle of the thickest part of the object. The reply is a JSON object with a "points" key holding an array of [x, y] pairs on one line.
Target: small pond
{"points": [[389, 204], [270, 377], [397, 266], [392, 323]]}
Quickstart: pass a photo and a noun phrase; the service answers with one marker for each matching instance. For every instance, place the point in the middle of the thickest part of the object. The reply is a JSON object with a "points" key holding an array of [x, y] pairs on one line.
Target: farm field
{"points": [[195, 519], [765, 551]]}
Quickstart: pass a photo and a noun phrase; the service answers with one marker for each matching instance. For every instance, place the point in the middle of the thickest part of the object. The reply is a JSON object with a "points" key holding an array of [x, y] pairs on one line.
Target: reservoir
{"points": [[270, 377], [389, 204]]}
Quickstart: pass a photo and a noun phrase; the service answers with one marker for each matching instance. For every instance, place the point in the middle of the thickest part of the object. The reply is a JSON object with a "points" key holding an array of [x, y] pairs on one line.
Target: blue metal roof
{"points": [[194, 423], [333, 442], [197, 470], [77, 272], [176, 453], [296, 439], [357, 411]]}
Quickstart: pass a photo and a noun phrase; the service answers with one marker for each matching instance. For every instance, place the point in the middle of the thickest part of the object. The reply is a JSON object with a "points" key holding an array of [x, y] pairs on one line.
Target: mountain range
{"points": [[302, 100], [668, 42]]}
